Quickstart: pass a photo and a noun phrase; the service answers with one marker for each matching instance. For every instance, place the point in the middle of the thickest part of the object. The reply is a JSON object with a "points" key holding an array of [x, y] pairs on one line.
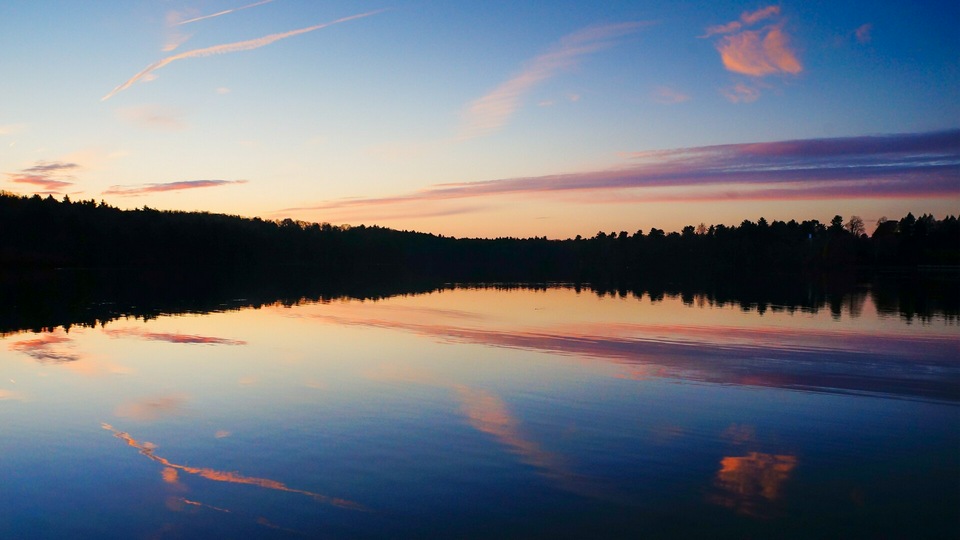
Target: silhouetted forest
{"points": [[43, 299], [48, 233]]}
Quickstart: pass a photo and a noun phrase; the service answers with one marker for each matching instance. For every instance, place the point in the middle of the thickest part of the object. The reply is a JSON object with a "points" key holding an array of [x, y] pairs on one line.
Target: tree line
{"points": [[43, 232], [46, 298]]}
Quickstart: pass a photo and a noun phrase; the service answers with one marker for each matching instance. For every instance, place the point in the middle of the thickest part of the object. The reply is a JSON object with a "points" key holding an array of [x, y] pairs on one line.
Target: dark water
{"points": [[552, 412]]}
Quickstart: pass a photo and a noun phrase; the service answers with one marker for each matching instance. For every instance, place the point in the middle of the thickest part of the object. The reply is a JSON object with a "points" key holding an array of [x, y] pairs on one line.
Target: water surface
{"points": [[485, 412]]}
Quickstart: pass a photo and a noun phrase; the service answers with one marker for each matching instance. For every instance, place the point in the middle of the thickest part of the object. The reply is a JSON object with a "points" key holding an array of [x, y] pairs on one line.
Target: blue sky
{"points": [[529, 108]]}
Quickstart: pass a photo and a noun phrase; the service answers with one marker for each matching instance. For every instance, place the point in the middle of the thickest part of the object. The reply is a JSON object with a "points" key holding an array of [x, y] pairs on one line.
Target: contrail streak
{"points": [[224, 12], [229, 48]]}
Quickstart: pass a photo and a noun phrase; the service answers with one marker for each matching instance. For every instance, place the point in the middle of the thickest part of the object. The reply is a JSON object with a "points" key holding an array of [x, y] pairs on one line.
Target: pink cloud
{"points": [[128, 191], [53, 176], [755, 52], [759, 53], [863, 33], [901, 165]]}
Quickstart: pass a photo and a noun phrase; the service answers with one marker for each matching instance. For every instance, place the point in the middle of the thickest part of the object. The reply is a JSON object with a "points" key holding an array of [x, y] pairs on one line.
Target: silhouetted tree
{"points": [[855, 226]]}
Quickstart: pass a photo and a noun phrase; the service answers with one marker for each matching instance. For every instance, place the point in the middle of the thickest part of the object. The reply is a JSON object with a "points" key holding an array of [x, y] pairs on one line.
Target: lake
{"points": [[481, 411]]}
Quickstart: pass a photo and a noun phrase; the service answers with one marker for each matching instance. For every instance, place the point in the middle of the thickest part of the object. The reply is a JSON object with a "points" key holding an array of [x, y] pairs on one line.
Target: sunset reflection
{"points": [[147, 449], [750, 354], [750, 484], [171, 337], [151, 409], [47, 349], [488, 414]]}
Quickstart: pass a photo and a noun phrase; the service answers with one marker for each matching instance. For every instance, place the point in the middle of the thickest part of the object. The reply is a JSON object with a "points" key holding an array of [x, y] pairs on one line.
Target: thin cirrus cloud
{"points": [[863, 33], [219, 13], [741, 93], [746, 18], [52, 176], [752, 17], [885, 166], [10, 129], [144, 189], [225, 48], [667, 95], [491, 111], [153, 117]]}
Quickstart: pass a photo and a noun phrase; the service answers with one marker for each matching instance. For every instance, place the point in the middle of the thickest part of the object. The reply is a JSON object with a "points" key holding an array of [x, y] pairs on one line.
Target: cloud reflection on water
{"points": [[151, 409], [171, 337], [751, 484], [10, 395], [47, 349], [147, 450], [489, 414], [916, 366]]}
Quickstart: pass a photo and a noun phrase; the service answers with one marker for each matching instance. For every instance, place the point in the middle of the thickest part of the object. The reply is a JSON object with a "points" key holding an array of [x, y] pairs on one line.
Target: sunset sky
{"points": [[486, 118]]}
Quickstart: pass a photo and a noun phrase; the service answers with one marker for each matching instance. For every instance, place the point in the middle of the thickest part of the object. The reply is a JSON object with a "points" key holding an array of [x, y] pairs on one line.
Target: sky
{"points": [[485, 119]]}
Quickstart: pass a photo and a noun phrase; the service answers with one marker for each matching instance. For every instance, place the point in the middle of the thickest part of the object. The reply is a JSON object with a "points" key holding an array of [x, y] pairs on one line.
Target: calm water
{"points": [[485, 412]]}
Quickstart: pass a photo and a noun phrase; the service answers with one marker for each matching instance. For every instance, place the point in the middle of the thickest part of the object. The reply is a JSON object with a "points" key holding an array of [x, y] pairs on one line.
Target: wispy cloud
{"points": [[746, 18], [228, 48], [667, 95], [492, 111], [153, 117], [741, 93], [52, 176], [863, 33], [752, 17], [143, 189], [412, 209], [10, 129], [900, 165], [219, 13], [176, 19]]}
